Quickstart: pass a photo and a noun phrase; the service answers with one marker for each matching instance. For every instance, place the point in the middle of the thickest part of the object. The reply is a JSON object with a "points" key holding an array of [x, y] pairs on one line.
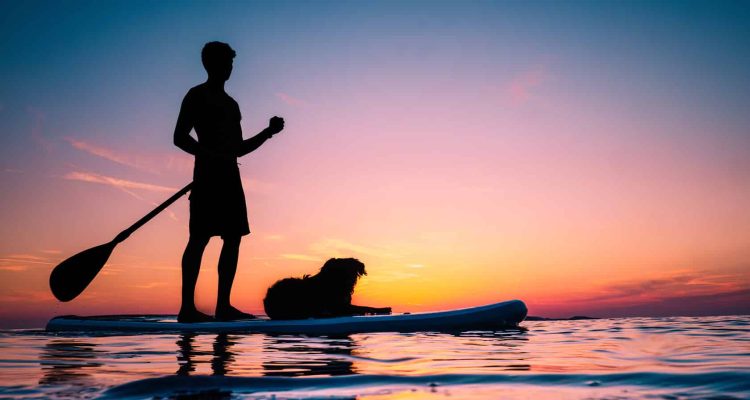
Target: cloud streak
{"points": [[392, 276], [23, 262], [300, 257], [124, 185], [37, 127], [520, 89], [342, 248], [115, 182], [679, 293], [153, 163], [290, 100], [103, 152], [13, 268], [678, 285], [257, 186], [718, 303]]}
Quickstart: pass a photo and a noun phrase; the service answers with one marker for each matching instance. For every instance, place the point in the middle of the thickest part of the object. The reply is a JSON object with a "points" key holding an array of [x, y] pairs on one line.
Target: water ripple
{"points": [[731, 382], [678, 357]]}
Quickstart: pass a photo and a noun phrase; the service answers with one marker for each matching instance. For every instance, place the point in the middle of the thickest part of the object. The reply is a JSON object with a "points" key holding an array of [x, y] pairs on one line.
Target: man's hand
{"points": [[275, 125]]}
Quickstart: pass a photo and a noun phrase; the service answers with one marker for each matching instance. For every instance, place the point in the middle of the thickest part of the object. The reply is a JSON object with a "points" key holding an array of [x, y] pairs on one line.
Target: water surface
{"points": [[669, 358]]}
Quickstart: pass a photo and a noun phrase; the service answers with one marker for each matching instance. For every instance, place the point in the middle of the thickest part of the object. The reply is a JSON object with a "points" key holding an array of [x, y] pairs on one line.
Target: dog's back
{"points": [[326, 294], [286, 299]]}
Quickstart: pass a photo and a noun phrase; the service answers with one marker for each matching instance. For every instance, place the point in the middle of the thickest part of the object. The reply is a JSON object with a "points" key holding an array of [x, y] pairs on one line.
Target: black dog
{"points": [[326, 294]]}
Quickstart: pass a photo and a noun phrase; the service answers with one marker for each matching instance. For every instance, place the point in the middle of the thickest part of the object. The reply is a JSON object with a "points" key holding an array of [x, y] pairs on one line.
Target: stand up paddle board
{"points": [[507, 314]]}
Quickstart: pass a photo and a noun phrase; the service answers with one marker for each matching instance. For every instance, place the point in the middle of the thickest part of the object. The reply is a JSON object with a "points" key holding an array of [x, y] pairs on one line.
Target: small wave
{"points": [[726, 382], [377, 360]]}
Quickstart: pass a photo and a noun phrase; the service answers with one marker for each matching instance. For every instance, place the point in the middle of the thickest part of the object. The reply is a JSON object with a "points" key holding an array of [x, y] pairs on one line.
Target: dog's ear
{"points": [[357, 266], [329, 266], [345, 266]]}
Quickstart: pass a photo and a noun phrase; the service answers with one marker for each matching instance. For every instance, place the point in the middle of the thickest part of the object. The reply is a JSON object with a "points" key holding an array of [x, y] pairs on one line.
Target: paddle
{"points": [[71, 276]]}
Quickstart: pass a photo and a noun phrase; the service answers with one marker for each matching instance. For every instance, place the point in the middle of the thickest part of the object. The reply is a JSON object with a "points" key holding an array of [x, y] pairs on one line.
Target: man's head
{"points": [[217, 58]]}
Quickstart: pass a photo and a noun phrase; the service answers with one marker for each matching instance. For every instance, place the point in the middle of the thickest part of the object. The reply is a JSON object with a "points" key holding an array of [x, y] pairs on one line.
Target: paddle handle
{"points": [[124, 234]]}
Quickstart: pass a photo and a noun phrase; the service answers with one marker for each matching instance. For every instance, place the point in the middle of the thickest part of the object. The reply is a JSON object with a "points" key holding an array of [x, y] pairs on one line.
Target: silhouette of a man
{"points": [[217, 201]]}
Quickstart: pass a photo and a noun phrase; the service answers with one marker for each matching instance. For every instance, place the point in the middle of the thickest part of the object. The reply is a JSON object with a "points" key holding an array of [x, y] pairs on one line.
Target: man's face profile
{"points": [[222, 70], [218, 58]]}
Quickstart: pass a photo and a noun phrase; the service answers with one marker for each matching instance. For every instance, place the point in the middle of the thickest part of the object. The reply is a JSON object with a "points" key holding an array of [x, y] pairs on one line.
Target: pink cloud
{"points": [[300, 257], [25, 297], [179, 162], [332, 247], [115, 182], [257, 186], [37, 127], [109, 154], [22, 262], [682, 284], [102, 152], [521, 88], [153, 163], [677, 293], [124, 185], [290, 100], [14, 259], [27, 257], [13, 268]]}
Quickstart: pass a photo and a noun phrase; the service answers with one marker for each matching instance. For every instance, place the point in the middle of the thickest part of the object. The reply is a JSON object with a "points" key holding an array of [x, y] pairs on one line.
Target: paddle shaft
{"points": [[69, 278], [124, 234]]}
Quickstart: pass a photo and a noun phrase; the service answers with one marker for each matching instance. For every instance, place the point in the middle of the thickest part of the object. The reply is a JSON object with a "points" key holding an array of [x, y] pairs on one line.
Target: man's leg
{"points": [[191, 264], [230, 252]]}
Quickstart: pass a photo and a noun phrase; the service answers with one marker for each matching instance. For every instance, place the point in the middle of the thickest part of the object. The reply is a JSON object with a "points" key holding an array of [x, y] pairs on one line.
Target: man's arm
{"points": [[251, 144], [185, 122], [275, 126]]}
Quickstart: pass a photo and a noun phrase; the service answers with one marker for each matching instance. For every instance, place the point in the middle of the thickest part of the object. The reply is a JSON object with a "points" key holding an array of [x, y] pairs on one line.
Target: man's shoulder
{"points": [[197, 89], [196, 93]]}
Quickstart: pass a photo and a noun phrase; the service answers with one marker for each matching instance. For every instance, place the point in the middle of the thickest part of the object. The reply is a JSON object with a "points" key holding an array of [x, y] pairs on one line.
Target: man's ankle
{"points": [[188, 309]]}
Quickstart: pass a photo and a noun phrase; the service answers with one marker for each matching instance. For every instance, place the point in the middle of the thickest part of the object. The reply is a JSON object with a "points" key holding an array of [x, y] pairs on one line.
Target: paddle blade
{"points": [[72, 276]]}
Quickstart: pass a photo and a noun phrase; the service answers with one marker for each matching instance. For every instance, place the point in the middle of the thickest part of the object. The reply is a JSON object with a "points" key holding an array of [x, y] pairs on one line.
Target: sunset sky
{"points": [[586, 157]]}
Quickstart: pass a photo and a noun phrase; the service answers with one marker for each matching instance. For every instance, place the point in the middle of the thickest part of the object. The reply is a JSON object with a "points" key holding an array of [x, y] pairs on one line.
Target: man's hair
{"points": [[216, 52]]}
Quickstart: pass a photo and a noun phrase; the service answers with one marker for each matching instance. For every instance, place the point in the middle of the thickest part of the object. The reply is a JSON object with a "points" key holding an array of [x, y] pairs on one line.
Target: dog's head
{"points": [[346, 270]]}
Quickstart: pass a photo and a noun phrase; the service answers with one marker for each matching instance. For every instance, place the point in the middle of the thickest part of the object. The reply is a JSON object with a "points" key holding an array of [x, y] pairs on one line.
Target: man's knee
{"points": [[198, 241], [232, 241]]}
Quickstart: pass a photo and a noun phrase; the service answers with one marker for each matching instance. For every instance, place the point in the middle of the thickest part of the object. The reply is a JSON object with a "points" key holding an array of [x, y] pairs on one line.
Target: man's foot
{"points": [[193, 316], [232, 314]]}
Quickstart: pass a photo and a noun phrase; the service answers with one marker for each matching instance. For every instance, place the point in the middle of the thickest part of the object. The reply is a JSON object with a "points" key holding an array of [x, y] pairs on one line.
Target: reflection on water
{"points": [[280, 355], [303, 356], [70, 365], [678, 357], [188, 355], [223, 356]]}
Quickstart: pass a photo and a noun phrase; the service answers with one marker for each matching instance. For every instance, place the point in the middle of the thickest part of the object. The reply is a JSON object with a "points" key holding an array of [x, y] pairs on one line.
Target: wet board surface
{"points": [[505, 314]]}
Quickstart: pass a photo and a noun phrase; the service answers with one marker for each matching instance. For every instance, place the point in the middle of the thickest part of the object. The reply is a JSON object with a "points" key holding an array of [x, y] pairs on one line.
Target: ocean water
{"points": [[652, 358]]}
